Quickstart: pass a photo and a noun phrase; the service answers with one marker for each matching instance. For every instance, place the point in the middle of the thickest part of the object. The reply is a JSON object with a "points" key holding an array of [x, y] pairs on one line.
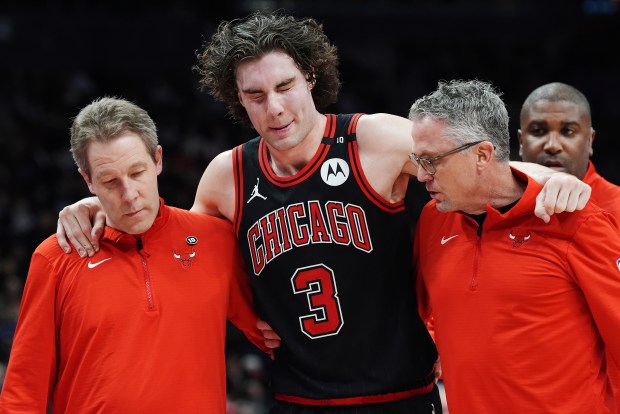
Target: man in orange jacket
{"points": [[140, 326], [524, 311], [556, 131]]}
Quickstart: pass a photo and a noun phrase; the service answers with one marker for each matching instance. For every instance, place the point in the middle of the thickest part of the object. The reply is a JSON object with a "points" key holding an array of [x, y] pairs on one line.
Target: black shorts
{"points": [[421, 404]]}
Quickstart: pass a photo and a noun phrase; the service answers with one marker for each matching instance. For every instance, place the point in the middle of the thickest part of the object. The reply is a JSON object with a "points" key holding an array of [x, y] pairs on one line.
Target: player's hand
{"points": [[272, 340], [562, 192], [75, 228]]}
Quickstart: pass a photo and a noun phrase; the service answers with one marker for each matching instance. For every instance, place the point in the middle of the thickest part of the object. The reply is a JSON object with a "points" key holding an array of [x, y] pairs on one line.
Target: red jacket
{"points": [[522, 310], [131, 330], [607, 196], [604, 194]]}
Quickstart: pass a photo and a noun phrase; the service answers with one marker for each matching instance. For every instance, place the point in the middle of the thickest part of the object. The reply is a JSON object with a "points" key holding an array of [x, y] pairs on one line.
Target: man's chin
{"points": [[443, 206]]}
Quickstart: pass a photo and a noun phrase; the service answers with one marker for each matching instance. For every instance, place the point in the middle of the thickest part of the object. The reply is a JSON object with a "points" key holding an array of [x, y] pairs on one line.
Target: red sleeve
{"points": [[594, 257], [241, 304], [31, 372], [423, 302]]}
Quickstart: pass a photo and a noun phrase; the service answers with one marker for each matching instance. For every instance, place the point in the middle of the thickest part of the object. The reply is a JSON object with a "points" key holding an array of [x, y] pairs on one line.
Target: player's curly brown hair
{"points": [[257, 34]]}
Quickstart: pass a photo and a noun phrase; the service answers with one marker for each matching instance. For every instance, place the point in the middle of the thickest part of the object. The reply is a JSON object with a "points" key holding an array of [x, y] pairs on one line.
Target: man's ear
{"points": [[484, 153], [520, 138], [158, 159], [311, 79], [592, 136], [87, 179]]}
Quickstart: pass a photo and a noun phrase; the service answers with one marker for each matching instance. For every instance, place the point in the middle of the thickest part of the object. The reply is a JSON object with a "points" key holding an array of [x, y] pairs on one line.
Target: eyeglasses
{"points": [[427, 163]]}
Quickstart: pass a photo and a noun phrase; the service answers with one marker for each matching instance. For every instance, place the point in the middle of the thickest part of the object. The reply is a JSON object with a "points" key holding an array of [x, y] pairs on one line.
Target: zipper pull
{"points": [[139, 243]]}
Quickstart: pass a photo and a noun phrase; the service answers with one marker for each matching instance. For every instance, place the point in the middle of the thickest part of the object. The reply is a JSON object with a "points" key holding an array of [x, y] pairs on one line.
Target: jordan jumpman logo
{"points": [[255, 192]]}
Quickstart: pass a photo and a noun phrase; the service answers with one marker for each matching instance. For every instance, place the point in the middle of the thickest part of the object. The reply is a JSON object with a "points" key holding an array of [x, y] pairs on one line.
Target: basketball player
{"points": [[327, 246]]}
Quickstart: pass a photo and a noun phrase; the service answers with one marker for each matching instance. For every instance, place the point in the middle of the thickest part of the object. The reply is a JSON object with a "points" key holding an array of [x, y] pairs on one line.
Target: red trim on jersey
{"points": [[238, 174], [353, 124], [367, 189], [365, 399], [330, 126], [309, 169]]}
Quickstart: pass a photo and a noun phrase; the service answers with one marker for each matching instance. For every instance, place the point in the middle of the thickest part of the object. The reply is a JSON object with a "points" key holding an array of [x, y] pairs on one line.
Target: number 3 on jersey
{"points": [[319, 285]]}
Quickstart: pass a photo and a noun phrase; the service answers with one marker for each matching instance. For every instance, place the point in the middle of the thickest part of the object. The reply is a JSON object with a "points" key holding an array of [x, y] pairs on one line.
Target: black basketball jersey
{"points": [[331, 269]]}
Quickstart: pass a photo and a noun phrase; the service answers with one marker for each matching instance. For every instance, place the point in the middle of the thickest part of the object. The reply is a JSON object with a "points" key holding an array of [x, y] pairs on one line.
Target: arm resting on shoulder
{"points": [[81, 224], [561, 191]]}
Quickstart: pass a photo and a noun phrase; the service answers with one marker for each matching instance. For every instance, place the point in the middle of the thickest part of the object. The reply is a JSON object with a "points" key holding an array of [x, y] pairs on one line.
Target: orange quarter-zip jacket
{"points": [[604, 194], [523, 311], [138, 328], [607, 196]]}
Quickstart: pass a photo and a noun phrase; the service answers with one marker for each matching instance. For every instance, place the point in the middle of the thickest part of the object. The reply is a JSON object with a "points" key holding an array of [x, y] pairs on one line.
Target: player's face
{"points": [[124, 178], [558, 135], [453, 184], [278, 99]]}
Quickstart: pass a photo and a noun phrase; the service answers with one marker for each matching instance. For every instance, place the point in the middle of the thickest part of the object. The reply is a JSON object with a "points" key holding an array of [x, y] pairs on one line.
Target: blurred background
{"points": [[56, 57]]}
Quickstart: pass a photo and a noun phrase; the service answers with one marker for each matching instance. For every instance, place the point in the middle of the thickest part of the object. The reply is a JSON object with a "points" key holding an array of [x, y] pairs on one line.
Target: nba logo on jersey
{"points": [[335, 171], [618, 263]]}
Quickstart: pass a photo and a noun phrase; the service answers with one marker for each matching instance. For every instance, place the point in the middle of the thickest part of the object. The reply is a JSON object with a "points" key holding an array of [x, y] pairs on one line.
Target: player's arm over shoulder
{"points": [[216, 191], [386, 135], [385, 143]]}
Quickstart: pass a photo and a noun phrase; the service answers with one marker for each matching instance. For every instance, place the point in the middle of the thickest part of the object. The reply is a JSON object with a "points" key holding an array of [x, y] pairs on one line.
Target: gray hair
{"points": [[555, 92], [105, 119], [473, 111]]}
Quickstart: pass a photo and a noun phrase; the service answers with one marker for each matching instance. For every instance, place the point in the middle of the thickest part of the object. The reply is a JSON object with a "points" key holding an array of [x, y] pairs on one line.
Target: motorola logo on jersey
{"points": [[335, 171]]}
